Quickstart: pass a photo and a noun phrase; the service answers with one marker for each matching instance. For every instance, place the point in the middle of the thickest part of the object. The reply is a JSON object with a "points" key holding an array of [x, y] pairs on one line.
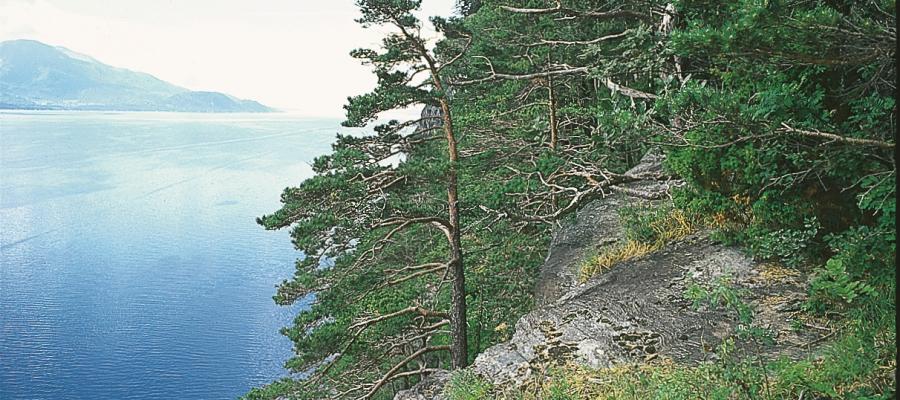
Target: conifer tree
{"points": [[406, 55], [383, 246]]}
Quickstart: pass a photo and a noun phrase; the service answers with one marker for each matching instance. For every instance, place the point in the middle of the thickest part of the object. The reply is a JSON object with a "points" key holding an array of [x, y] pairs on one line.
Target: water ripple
{"points": [[149, 288]]}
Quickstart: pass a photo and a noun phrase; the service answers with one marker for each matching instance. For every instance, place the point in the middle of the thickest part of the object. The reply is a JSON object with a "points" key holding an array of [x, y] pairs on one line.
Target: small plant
{"points": [[788, 245], [833, 284], [466, 385], [558, 390], [722, 294]]}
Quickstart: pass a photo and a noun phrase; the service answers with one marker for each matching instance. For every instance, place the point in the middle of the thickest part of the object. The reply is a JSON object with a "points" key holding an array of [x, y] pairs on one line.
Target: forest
{"points": [[775, 121]]}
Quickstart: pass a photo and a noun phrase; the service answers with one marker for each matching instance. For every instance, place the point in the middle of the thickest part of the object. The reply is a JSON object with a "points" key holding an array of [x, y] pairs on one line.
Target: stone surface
{"points": [[595, 225], [430, 388], [637, 312]]}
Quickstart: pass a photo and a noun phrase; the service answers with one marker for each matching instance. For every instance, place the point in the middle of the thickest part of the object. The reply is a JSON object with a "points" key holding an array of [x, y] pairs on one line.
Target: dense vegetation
{"points": [[422, 244]]}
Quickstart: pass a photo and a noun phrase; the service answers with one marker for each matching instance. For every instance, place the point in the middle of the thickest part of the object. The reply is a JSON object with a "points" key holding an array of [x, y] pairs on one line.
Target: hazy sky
{"points": [[289, 54]]}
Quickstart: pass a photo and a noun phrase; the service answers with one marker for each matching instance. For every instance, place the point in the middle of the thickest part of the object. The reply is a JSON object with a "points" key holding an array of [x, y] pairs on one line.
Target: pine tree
{"points": [[382, 245]]}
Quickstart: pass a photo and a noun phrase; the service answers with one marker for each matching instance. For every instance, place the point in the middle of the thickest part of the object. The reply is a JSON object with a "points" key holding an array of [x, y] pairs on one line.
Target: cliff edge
{"points": [[636, 311]]}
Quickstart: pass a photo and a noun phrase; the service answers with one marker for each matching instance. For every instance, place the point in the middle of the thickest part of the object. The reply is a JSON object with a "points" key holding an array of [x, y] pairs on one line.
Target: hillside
{"points": [[605, 200], [34, 75]]}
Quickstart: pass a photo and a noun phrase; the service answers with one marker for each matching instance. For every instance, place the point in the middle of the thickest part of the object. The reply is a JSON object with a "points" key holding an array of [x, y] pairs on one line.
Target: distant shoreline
{"points": [[286, 115], [38, 76], [52, 108]]}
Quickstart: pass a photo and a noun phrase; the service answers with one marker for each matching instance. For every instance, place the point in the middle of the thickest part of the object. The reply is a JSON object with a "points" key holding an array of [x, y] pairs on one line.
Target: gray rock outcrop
{"points": [[637, 310], [430, 388], [596, 225]]}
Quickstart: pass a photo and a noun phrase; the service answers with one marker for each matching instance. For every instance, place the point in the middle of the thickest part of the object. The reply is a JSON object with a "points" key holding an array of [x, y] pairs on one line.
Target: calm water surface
{"points": [[131, 266]]}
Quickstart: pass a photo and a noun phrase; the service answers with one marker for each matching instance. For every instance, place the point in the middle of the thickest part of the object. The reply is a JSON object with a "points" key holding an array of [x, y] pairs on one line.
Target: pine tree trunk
{"points": [[554, 124], [459, 348]]}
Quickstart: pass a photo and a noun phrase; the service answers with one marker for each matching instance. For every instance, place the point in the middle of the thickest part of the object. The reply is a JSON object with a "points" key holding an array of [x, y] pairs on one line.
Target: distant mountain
{"points": [[34, 75]]}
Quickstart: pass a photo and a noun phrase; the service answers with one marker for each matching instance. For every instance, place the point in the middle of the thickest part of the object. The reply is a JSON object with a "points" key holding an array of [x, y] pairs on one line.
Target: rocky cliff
{"points": [[636, 311]]}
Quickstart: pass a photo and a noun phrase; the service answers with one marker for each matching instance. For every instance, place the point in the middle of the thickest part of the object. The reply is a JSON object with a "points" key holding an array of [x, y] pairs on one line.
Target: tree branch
{"points": [[579, 42], [559, 9], [408, 310], [458, 55], [627, 91], [393, 371], [495, 75], [837, 138], [439, 268]]}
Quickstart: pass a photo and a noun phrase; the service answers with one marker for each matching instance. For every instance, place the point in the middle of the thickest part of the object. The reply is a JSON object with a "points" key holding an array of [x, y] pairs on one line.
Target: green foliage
{"points": [[273, 390], [787, 245], [466, 385], [863, 263], [775, 191], [833, 284], [778, 116]]}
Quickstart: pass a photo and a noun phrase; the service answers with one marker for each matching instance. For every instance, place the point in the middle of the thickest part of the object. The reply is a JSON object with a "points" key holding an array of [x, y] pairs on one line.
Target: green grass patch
{"points": [[647, 229], [858, 363], [466, 385]]}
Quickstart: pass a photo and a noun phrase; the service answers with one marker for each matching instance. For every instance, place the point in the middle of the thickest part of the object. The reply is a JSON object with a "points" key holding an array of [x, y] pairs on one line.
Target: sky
{"points": [[288, 54]]}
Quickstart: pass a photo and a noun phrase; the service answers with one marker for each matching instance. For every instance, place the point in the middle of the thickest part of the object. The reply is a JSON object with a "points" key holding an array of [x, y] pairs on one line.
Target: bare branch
{"points": [[837, 138], [495, 76], [458, 55], [408, 310], [439, 268], [568, 12], [579, 42], [393, 371], [633, 93]]}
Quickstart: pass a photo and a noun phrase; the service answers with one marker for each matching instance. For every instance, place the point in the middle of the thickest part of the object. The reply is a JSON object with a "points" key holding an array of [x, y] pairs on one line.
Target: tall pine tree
{"points": [[384, 256]]}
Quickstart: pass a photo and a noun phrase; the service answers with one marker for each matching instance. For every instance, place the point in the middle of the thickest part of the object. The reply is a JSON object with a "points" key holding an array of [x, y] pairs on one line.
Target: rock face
{"points": [[596, 225], [430, 388], [637, 310]]}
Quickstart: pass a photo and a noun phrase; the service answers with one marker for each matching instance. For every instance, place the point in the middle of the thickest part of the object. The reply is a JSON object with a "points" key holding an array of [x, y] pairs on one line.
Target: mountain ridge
{"points": [[38, 76]]}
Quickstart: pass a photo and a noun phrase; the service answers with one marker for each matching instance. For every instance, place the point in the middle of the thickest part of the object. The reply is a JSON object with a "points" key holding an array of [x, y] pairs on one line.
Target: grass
{"points": [[859, 362], [612, 255], [647, 230], [466, 385], [852, 367]]}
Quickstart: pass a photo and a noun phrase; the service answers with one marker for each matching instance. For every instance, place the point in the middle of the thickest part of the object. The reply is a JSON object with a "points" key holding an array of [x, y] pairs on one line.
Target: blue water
{"points": [[131, 266]]}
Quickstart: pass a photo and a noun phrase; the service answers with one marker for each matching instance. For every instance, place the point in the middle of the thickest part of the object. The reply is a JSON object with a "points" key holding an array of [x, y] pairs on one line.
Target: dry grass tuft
{"points": [[675, 225], [614, 254], [775, 272], [663, 227]]}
